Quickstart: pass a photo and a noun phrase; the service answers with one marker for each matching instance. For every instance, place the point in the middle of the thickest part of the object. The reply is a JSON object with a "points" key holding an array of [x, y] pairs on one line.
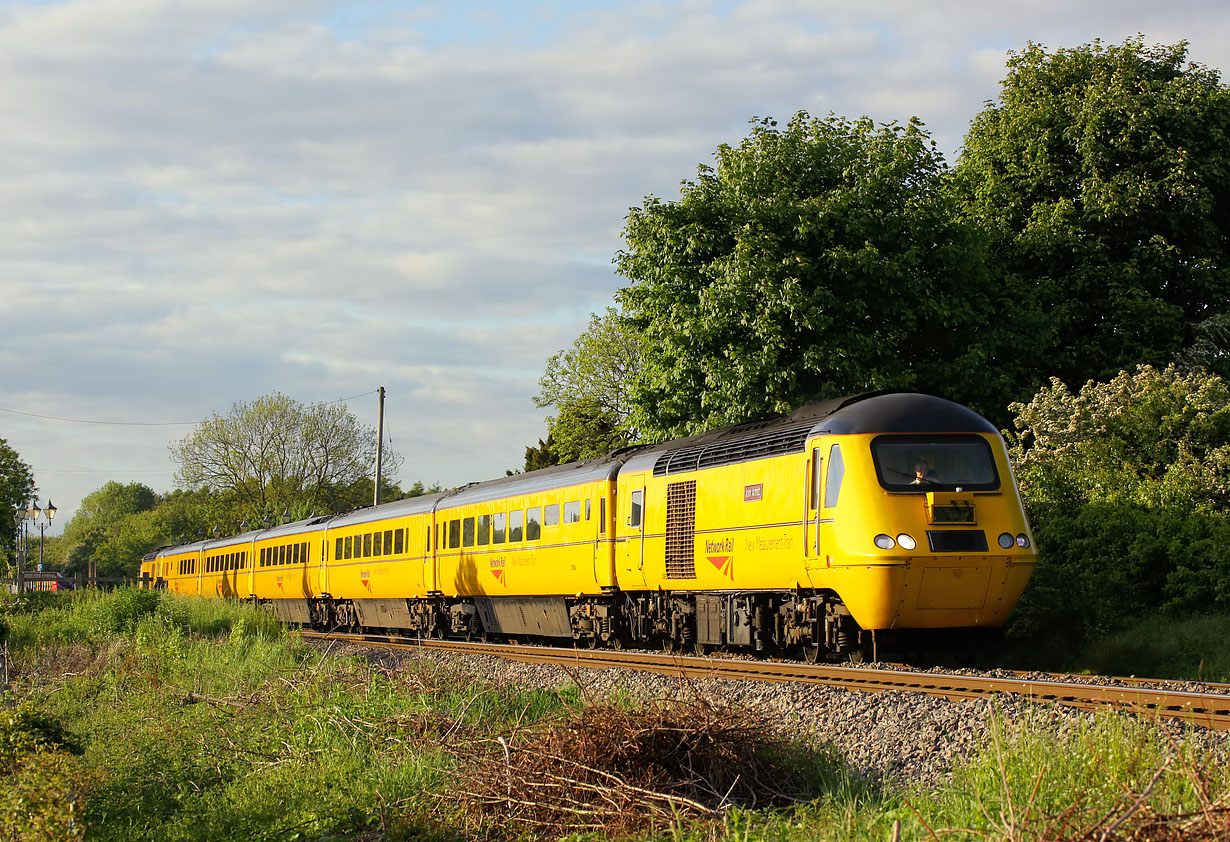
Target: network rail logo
{"points": [[721, 555]]}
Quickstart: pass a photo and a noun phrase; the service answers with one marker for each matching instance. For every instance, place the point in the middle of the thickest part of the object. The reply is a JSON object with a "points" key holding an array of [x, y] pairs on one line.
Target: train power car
{"points": [[810, 534]]}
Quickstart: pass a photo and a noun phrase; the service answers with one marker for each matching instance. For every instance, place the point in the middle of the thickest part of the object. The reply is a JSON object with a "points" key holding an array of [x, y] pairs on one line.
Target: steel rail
{"points": [[1211, 710]]}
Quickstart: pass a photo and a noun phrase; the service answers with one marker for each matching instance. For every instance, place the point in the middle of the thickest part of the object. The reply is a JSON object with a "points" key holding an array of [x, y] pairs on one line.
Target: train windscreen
{"points": [[934, 463]]}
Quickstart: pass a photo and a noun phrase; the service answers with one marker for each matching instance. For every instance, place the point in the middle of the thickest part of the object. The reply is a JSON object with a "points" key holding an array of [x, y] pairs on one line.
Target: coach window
{"points": [[307, 551], [388, 541], [550, 515], [367, 545], [601, 515], [399, 539], [484, 530], [296, 553], [454, 534], [467, 532], [337, 549], [572, 511], [832, 484], [282, 554], [515, 519], [533, 524], [497, 527], [587, 502], [348, 547], [378, 544], [634, 509]]}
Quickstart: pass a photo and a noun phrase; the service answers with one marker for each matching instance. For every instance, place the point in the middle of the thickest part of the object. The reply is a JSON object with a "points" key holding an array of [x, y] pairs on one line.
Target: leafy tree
{"points": [[113, 527], [543, 456], [1104, 174], [590, 385], [276, 454], [16, 489], [418, 489], [1158, 439], [1127, 484], [817, 260]]}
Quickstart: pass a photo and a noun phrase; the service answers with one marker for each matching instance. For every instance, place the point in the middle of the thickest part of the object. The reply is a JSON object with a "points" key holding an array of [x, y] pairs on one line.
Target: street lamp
{"points": [[23, 516], [49, 513]]}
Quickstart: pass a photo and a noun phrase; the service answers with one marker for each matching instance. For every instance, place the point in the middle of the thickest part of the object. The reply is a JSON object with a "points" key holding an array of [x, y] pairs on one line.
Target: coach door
{"points": [[630, 531], [813, 493]]}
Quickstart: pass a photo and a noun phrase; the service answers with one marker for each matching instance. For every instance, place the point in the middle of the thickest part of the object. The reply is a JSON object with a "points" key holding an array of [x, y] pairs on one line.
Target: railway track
{"points": [[1211, 709]]}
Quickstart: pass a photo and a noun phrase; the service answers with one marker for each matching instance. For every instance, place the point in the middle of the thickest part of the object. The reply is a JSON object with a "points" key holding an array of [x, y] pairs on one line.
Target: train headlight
{"points": [[1022, 541], [1006, 540], [885, 542], [907, 542]]}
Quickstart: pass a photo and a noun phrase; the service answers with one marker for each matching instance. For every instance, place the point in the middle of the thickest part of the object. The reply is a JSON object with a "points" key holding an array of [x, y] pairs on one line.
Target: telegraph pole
{"points": [[379, 447]]}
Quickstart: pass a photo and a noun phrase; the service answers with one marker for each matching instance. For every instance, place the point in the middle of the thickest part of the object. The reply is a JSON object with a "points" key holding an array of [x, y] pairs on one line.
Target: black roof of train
{"points": [[870, 412]]}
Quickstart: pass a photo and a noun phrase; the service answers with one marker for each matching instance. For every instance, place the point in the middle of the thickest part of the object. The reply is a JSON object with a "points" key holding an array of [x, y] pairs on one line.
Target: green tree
{"points": [[276, 454], [817, 260], [16, 489], [1127, 485], [590, 385], [1104, 174], [113, 527]]}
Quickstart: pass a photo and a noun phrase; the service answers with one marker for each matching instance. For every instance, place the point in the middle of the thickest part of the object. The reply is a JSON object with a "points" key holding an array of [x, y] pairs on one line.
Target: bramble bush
{"points": [[1127, 486], [42, 780]]}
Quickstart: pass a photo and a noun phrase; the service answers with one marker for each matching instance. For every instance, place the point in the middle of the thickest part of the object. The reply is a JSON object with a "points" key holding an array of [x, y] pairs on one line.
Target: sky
{"points": [[207, 201]]}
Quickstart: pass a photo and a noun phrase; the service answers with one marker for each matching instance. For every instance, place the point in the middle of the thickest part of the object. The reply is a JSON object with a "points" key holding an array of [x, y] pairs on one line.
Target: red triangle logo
{"points": [[724, 563], [498, 573]]}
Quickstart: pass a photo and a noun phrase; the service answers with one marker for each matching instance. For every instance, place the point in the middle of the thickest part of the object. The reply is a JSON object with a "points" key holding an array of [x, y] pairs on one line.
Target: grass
{"points": [[147, 717], [1193, 648]]}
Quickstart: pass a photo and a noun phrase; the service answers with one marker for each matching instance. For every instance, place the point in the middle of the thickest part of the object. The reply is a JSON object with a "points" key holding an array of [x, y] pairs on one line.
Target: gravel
{"points": [[899, 737]]}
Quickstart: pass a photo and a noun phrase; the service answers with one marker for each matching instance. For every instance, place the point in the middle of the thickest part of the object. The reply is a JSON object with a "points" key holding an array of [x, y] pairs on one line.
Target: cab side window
{"points": [[832, 483], [634, 509]]}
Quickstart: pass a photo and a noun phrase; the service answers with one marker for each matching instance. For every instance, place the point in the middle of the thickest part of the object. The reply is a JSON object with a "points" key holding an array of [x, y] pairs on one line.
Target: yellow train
{"points": [[810, 534]]}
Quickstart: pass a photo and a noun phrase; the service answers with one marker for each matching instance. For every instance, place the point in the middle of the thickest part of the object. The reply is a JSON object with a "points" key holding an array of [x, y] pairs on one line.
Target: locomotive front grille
{"points": [[681, 530], [957, 540]]}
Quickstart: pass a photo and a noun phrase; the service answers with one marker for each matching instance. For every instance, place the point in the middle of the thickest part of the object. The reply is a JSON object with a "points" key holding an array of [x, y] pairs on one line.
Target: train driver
{"points": [[923, 475]]}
